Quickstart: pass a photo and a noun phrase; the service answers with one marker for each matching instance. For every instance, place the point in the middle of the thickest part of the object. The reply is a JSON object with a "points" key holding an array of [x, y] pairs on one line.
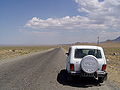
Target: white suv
{"points": [[86, 61]]}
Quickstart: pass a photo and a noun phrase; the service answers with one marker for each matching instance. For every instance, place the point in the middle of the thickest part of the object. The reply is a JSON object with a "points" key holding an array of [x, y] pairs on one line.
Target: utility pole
{"points": [[98, 40]]}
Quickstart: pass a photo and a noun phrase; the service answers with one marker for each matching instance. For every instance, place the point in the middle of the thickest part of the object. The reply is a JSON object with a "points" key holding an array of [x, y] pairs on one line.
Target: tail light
{"points": [[71, 67], [104, 67]]}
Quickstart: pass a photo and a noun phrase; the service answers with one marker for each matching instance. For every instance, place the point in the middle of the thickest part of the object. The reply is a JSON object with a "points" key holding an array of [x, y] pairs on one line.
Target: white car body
{"points": [[76, 62]]}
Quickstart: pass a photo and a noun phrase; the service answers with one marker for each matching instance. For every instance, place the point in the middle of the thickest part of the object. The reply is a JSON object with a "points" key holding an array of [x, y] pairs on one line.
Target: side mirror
{"points": [[67, 54]]}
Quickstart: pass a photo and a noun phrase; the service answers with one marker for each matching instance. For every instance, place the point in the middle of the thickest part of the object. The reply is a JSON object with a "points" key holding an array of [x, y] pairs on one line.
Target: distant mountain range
{"points": [[114, 40]]}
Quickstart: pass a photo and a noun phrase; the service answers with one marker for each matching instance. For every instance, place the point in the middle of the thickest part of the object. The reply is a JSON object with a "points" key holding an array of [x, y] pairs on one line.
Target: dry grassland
{"points": [[10, 52], [112, 53]]}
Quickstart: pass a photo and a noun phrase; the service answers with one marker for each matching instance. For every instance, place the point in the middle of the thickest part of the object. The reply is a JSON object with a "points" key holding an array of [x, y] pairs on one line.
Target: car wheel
{"points": [[100, 79], [69, 77]]}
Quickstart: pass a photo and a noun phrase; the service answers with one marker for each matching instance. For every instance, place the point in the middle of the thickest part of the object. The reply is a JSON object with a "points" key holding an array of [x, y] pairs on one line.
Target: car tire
{"points": [[89, 64], [100, 79], [69, 77]]}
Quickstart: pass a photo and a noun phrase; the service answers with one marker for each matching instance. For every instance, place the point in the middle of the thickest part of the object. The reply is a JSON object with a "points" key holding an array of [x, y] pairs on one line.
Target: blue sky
{"points": [[41, 22]]}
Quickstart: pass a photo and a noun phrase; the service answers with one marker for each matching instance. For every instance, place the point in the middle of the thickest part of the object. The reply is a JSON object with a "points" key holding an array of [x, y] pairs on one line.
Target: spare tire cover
{"points": [[89, 64]]}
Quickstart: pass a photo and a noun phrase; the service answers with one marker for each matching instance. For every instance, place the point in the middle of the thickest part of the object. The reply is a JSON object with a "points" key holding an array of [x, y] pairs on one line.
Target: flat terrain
{"points": [[112, 53], [14, 51], [43, 71]]}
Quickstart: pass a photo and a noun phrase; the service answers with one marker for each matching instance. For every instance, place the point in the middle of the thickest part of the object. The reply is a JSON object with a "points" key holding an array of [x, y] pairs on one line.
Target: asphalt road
{"points": [[43, 71]]}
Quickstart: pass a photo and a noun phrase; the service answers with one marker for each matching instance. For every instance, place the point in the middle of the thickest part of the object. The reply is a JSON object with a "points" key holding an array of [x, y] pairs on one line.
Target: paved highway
{"points": [[43, 71]]}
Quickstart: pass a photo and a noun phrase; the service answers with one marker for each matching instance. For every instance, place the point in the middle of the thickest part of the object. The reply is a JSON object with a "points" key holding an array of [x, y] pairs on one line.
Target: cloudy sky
{"points": [[41, 22]]}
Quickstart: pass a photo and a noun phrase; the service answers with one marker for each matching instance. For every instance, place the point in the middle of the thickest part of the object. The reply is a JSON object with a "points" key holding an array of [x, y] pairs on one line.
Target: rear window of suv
{"points": [[80, 53]]}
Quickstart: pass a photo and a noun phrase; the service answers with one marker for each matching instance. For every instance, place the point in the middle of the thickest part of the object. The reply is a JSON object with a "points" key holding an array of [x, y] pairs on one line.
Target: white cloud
{"points": [[75, 22], [103, 12], [108, 35], [100, 15], [94, 7]]}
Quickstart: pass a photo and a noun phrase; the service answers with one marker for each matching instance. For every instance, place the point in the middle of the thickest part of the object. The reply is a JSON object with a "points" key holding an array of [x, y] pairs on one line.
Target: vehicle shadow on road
{"points": [[76, 82]]}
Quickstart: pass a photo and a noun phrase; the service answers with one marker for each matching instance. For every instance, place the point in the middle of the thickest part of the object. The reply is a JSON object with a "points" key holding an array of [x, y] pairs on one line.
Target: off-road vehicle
{"points": [[86, 61]]}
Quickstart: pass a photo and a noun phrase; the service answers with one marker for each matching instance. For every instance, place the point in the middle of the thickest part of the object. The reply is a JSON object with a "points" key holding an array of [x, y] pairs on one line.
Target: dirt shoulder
{"points": [[112, 53], [113, 68]]}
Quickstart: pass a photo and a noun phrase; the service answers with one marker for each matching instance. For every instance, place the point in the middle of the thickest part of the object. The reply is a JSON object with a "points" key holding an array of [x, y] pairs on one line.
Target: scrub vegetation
{"points": [[112, 53], [14, 51]]}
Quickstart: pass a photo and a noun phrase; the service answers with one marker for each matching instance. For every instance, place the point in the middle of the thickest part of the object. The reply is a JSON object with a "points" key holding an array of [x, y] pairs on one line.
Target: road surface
{"points": [[43, 71]]}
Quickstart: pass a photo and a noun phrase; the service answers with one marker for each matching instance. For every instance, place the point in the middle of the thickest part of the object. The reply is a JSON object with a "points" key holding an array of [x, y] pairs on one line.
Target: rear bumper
{"points": [[82, 74], [101, 73]]}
